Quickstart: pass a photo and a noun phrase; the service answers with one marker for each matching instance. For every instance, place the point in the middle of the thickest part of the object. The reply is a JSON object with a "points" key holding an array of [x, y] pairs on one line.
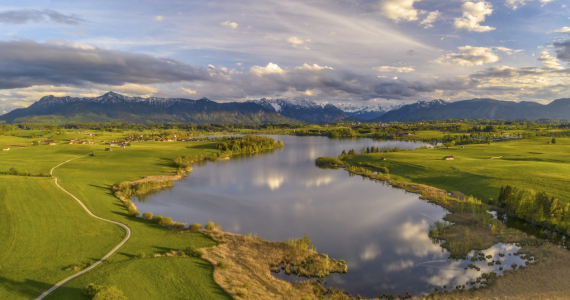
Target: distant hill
{"points": [[304, 110], [113, 107], [478, 109]]}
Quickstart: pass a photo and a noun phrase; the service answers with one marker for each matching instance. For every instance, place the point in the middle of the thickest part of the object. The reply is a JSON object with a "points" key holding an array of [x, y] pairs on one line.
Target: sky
{"points": [[358, 52]]}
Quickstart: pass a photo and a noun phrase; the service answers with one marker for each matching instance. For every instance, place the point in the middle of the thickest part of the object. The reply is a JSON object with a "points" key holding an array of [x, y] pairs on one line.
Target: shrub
{"points": [[240, 294], [191, 251], [210, 226], [178, 226], [329, 161], [98, 292], [222, 265], [165, 221], [157, 219], [141, 255], [195, 227], [134, 213], [147, 215]]}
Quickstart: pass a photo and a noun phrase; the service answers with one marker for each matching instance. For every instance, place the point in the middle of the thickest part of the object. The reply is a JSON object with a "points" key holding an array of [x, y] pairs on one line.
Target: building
{"points": [[5, 149], [449, 158], [52, 144], [49, 141], [108, 149], [382, 158]]}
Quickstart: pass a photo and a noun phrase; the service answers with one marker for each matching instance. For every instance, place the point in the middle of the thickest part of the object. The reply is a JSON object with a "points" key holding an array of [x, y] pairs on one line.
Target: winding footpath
{"points": [[94, 216]]}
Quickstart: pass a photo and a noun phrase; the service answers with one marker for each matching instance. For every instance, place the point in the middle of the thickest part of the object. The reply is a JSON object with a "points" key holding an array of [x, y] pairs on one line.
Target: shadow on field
{"points": [[165, 162], [28, 288], [164, 249], [108, 189]]}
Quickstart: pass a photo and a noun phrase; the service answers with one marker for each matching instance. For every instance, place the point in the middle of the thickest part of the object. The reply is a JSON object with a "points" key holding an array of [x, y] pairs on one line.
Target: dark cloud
{"points": [[563, 50], [28, 63], [38, 16]]}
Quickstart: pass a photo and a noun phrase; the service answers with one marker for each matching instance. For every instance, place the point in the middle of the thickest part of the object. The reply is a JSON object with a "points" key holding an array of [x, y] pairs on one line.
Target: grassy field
{"points": [[150, 278], [42, 232], [528, 163], [47, 230]]}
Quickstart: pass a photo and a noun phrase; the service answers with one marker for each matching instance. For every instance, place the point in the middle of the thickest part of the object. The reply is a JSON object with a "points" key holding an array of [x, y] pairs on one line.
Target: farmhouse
{"points": [[108, 149], [382, 158], [449, 158], [49, 141], [5, 149]]}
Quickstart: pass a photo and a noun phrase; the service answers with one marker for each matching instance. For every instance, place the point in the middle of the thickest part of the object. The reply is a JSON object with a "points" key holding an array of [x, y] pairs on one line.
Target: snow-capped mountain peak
{"points": [[368, 112]]}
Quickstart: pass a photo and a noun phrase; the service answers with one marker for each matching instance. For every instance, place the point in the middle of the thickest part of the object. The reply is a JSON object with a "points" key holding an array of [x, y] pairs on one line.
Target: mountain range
{"points": [[478, 109], [113, 107]]}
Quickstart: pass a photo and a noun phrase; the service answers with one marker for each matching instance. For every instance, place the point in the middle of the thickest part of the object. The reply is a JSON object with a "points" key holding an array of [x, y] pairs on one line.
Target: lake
{"points": [[380, 231]]}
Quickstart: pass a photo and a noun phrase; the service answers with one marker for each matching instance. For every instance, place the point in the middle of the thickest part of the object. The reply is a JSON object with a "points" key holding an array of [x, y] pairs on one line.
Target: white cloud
{"points": [[563, 30], [314, 67], [470, 56], [549, 62], [473, 15], [230, 24], [514, 4], [271, 68], [370, 252], [297, 41], [430, 19], [158, 18], [399, 10], [239, 64], [394, 69], [508, 50]]}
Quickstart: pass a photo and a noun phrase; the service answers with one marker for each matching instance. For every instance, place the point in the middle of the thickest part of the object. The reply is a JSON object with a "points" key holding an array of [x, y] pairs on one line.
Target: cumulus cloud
{"points": [[229, 24], [430, 19], [394, 69], [473, 15], [370, 252], [271, 68], [470, 56], [26, 63], [563, 30], [549, 62], [399, 10], [158, 18], [24, 16]]}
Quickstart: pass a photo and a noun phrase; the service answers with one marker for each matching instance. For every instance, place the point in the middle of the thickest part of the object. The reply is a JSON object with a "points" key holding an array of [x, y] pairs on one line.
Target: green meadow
{"points": [[47, 231], [481, 169]]}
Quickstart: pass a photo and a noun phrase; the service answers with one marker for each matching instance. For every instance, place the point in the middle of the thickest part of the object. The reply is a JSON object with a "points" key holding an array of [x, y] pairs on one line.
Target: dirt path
{"points": [[94, 216]]}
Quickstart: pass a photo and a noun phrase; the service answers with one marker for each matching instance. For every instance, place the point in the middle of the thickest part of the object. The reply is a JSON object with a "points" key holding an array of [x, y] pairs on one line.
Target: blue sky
{"points": [[353, 51]]}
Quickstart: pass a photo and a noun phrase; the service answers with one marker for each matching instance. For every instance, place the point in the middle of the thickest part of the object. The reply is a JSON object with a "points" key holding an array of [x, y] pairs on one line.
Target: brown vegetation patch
{"points": [[249, 261]]}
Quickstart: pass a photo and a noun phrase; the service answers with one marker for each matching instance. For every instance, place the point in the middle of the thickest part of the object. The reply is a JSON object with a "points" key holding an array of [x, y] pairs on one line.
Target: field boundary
{"points": [[127, 229]]}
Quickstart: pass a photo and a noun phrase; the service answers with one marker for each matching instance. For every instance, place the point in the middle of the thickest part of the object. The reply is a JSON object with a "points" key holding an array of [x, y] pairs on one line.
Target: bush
{"points": [[210, 226], [329, 161], [141, 255], [157, 219], [178, 226], [134, 213], [147, 215], [98, 292], [191, 251], [240, 294], [195, 227], [222, 265], [165, 221]]}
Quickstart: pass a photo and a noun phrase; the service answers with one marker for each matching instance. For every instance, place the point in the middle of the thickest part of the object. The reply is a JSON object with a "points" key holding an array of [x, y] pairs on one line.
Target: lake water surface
{"points": [[381, 232]]}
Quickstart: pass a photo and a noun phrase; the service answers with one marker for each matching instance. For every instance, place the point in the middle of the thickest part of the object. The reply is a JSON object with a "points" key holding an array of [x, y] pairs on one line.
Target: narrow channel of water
{"points": [[381, 232]]}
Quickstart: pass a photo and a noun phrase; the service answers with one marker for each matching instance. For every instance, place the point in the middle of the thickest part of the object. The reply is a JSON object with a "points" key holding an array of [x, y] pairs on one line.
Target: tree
{"points": [[147, 215], [553, 140], [556, 211]]}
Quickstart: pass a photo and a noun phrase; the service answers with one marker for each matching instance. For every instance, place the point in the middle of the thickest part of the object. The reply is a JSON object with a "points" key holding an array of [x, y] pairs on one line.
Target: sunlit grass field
{"points": [[527, 163], [46, 230]]}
